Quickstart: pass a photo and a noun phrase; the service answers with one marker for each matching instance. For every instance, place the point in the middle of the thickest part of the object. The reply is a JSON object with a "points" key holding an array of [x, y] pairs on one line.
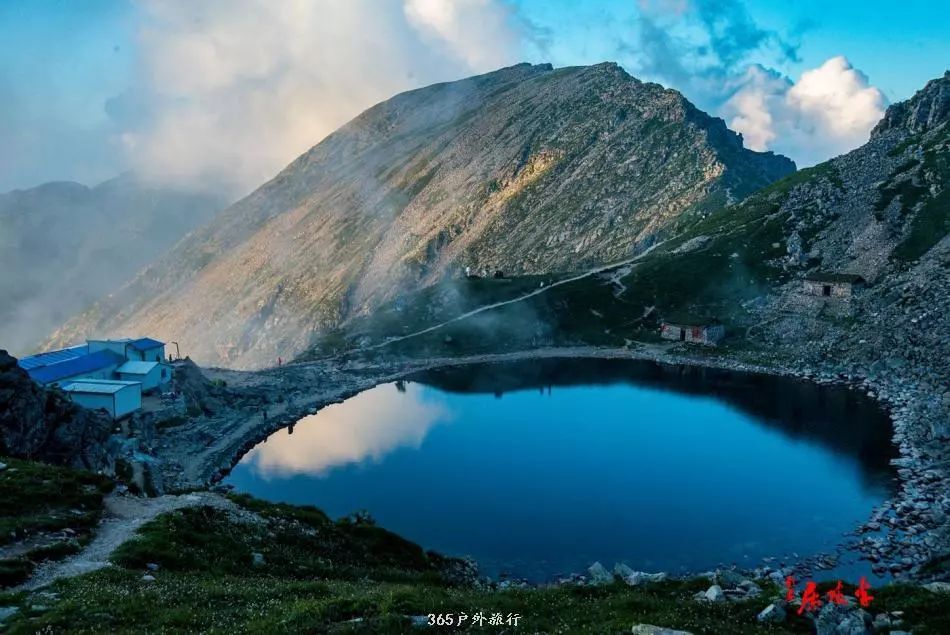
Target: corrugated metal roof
{"points": [[136, 368], [145, 344], [98, 386], [70, 367], [52, 357]]}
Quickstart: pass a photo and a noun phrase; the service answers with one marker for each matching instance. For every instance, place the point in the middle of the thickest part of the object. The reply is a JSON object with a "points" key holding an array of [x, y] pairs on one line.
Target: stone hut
{"points": [[708, 331], [839, 286]]}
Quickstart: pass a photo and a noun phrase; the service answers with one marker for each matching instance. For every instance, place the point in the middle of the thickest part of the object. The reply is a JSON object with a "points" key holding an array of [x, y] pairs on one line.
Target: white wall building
{"points": [[151, 375], [118, 398], [102, 373]]}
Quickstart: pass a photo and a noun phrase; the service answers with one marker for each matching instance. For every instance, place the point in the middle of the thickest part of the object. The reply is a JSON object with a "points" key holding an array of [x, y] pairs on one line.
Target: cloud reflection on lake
{"points": [[366, 427]]}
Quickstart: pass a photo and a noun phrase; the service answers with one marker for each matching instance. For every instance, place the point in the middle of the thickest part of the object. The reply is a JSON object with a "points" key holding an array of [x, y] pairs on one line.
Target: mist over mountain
{"points": [[65, 245], [527, 169], [880, 213]]}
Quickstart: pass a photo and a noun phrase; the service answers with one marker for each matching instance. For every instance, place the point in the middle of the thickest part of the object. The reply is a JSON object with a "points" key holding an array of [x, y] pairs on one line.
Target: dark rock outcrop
{"points": [[41, 424], [928, 108]]}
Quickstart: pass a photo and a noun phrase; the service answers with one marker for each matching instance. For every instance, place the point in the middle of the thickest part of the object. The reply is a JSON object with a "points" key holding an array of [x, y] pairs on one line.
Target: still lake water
{"points": [[540, 468]]}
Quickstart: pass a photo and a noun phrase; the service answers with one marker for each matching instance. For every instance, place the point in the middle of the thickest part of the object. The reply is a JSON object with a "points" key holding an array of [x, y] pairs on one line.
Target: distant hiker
{"points": [[279, 361], [264, 414]]}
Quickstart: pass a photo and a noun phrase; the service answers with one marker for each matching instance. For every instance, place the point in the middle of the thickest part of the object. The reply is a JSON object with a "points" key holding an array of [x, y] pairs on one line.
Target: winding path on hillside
{"points": [[123, 517], [495, 305]]}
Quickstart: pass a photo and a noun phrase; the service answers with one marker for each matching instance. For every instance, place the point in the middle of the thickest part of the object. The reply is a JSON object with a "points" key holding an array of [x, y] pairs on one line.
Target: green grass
{"points": [[906, 189], [320, 575], [14, 571], [932, 221], [928, 228], [37, 497], [307, 545], [116, 601], [901, 147]]}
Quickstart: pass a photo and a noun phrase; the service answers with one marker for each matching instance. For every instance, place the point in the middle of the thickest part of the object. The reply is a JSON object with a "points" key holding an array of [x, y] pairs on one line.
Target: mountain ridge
{"points": [[527, 169], [70, 244]]}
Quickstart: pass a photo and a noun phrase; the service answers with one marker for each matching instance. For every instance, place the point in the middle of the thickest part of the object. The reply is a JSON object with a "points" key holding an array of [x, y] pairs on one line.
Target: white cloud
{"points": [[232, 92], [828, 111], [362, 429], [477, 32]]}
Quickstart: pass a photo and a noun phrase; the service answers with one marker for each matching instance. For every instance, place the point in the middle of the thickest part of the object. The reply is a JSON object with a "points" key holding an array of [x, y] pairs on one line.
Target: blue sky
{"points": [[899, 45], [86, 90]]}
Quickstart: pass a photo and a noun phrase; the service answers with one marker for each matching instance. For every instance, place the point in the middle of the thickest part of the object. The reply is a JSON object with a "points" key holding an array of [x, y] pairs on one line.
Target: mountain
{"points": [[64, 245], [881, 212], [525, 170]]}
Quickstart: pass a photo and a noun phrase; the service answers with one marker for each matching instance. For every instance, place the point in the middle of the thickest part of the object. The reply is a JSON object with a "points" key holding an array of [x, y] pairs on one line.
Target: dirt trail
{"points": [[628, 264], [123, 516]]}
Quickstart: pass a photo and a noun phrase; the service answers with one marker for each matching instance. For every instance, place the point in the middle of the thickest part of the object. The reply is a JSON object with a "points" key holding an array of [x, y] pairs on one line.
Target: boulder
{"points": [[715, 594], [750, 588], [774, 613], [636, 578], [729, 579], [600, 575], [837, 619], [257, 559], [938, 587], [885, 622]]}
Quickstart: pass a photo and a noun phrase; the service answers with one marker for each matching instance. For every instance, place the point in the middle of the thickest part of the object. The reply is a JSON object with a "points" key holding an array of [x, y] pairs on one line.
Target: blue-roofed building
{"points": [[98, 365], [52, 357], [123, 361], [143, 349], [146, 349]]}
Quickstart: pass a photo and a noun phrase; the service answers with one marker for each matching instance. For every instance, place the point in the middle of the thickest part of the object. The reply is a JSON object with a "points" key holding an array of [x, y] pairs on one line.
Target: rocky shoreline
{"points": [[898, 539]]}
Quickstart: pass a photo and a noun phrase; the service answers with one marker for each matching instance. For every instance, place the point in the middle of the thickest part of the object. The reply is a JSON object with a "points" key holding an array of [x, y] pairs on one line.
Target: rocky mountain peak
{"points": [[927, 109], [525, 170]]}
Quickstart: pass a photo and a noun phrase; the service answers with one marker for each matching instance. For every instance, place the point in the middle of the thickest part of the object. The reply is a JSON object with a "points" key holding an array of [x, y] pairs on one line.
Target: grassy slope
{"points": [[43, 499], [320, 575], [932, 221]]}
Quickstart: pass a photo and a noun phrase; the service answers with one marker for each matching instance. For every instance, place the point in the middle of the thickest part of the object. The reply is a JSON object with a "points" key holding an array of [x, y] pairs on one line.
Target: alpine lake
{"points": [[538, 469]]}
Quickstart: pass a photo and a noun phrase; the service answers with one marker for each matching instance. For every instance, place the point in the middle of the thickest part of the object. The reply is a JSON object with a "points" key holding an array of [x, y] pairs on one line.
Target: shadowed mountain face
{"points": [[64, 245], [525, 170]]}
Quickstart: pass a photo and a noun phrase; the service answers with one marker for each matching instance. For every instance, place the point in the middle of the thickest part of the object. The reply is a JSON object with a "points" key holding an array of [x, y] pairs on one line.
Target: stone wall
{"points": [[708, 334], [842, 290]]}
